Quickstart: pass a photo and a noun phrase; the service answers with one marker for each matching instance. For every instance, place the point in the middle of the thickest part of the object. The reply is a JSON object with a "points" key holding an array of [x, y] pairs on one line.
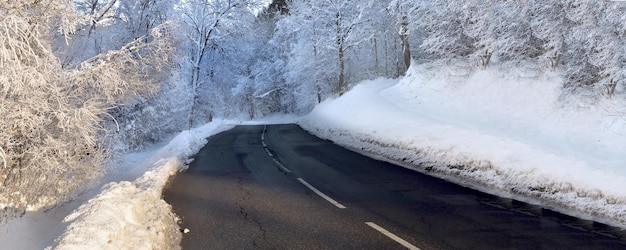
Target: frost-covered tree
{"points": [[52, 135], [140, 16], [615, 17], [337, 26], [234, 78], [295, 43], [348, 24], [127, 20], [98, 11], [608, 48], [94, 8], [206, 24], [477, 20], [513, 37], [401, 12], [271, 93], [548, 24], [581, 16], [325, 43], [443, 30], [148, 119]]}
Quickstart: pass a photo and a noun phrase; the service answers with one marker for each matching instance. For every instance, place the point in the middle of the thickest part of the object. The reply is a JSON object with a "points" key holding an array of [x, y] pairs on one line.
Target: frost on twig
{"points": [[51, 135], [4, 159]]}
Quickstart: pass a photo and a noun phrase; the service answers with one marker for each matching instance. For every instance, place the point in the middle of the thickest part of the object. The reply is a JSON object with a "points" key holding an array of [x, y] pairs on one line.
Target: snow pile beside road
{"points": [[132, 215], [511, 137], [126, 215]]}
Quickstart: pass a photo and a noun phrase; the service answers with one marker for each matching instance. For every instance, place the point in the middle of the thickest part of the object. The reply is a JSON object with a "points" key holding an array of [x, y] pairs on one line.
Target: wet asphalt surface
{"points": [[242, 192]]}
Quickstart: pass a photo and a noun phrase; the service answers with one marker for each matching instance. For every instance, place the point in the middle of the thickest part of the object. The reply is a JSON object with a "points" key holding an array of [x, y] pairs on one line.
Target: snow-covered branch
{"points": [[51, 138], [4, 159]]}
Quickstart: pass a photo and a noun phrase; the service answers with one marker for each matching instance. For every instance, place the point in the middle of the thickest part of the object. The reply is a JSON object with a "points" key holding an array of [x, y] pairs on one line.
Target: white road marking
{"points": [[392, 236], [263, 134], [281, 165], [267, 150], [334, 202]]}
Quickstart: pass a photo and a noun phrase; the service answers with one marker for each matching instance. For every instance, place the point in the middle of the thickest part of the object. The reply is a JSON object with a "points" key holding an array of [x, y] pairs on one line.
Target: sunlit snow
{"points": [[507, 135]]}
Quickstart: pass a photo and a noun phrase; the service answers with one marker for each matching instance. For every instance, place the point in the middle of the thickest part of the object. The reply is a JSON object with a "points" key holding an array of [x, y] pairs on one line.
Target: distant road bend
{"points": [[278, 187]]}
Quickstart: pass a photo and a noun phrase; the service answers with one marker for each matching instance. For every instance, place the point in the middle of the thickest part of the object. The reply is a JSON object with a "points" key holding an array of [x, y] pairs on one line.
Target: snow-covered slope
{"points": [[508, 135]]}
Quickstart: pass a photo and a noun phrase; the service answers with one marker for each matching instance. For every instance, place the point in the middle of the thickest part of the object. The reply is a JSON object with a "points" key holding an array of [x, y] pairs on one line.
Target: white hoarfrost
{"points": [[514, 136]]}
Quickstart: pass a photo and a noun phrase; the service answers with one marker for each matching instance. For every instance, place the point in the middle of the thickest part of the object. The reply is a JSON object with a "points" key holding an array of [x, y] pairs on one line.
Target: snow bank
{"points": [[131, 214], [507, 135]]}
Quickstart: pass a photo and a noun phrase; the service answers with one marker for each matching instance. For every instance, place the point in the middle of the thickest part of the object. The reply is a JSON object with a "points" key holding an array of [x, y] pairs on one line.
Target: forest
{"points": [[82, 81]]}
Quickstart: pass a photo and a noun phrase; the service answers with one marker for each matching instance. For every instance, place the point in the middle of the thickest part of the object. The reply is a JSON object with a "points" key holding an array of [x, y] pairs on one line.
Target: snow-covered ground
{"points": [[513, 136]]}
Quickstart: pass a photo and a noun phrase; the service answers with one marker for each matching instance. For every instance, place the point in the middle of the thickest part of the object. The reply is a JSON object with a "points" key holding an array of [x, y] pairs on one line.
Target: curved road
{"points": [[278, 187]]}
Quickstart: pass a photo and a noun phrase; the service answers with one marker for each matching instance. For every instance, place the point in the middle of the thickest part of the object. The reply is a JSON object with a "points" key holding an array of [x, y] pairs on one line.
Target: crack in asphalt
{"points": [[245, 194], [263, 232]]}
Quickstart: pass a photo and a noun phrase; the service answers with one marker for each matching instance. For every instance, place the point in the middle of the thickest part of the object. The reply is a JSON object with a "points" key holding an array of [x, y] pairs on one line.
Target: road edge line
{"points": [[267, 150], [392, 236], [326, 197]]}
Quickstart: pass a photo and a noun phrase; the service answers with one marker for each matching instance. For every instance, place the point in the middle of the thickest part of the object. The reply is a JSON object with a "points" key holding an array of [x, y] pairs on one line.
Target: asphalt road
{"points": [[262, 187]]}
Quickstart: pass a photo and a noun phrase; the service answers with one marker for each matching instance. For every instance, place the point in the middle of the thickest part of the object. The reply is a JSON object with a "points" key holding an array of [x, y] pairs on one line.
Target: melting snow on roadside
{"points": [[126, 213], [510, 136], [131, 214]]}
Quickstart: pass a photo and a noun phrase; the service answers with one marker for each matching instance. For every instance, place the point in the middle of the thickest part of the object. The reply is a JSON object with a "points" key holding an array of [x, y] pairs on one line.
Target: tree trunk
{"points": [[403, 32], [342, 81], [387, 59], [318, 89], [554, 61], [195, 76], [376, 55], [251, 106], [406, 51], [279, 5], [340, 39], [610, 88], [485, 59], [404, 38], [319, 93], [399, 66]]}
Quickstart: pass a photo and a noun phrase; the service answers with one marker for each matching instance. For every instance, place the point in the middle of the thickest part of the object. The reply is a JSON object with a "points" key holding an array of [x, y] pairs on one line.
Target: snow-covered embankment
{"points": [[510, 136]]}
